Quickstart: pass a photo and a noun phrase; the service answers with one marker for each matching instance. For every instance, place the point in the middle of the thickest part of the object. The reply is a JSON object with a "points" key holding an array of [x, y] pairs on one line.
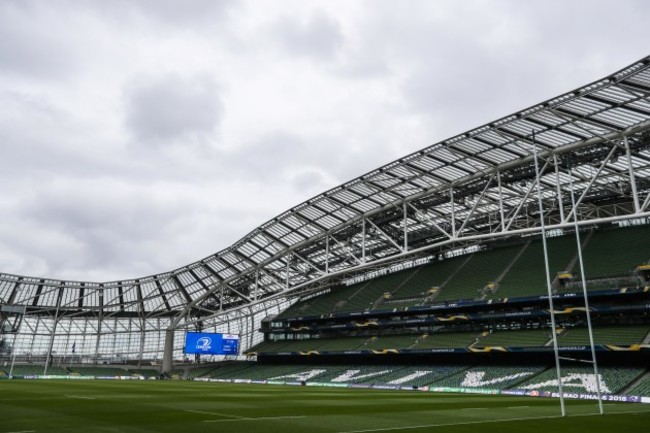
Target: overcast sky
{"points": [[139, 136]]}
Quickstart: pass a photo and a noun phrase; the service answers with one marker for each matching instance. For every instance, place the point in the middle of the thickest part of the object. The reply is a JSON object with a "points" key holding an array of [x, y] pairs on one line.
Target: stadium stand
{"points": [[427, 272], [420, 375], [614, 335], [486, 300], [99, 371], [445, 339], [195, 372], [36, 370], [616, 253], [582, 379], [642, 387], [527, 276], [518, 338], [373, 291], [391, 342], [491, 377], [145, 372]]}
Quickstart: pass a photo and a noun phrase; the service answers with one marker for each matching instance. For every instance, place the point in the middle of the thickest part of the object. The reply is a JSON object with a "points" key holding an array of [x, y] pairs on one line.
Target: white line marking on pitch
{"points": [[215, 413], [484, 422], [81, 397], [256, 419], [22, 431]]}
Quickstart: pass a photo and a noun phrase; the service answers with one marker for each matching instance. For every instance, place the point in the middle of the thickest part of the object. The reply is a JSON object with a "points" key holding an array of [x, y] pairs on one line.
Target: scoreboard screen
{"points": [[204, 343]]}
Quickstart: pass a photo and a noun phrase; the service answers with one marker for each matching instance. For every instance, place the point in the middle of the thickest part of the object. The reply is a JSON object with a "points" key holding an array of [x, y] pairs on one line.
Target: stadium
{"points": [[502, 262]]}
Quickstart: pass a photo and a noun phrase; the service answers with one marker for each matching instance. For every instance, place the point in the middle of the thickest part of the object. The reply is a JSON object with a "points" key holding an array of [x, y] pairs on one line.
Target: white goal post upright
{"points": [[548, 280], [584, 294]]}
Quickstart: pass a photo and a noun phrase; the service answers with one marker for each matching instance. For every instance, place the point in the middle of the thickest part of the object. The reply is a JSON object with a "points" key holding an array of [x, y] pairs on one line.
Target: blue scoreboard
{"points": [[204, 343]]}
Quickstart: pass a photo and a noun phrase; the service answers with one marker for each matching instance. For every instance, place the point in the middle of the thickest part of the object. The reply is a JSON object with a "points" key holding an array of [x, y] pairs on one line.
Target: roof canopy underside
{"points": [[476, 185]]}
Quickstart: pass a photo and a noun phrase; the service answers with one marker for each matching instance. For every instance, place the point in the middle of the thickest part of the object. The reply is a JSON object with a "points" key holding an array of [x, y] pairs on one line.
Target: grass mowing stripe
{"points": [[171, 407], [413, 427], [214, 413], [80, 397], [486, 422], [256, 418]]}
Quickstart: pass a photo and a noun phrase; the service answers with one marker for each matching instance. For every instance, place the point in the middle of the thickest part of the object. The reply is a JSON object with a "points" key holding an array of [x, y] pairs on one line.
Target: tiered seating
{"points": [[328, 344], [528, 274], [391, 342], [334, 344], [420, 375], [481, 269], [375, 289], [57, 371], [198, 372], [582, 379], [540, 378], [228, 370], [613, 253], [284, 346], [269, 346], [445, 340], [357, 297], [426, 277], [145, 372], [370, 374], [641, 388], [616, 335], [319, 305], [518, 270], [99, 371], [256, 371], [520, 338], [608, 253], [28, 370], [491, 377], [327, 372]]}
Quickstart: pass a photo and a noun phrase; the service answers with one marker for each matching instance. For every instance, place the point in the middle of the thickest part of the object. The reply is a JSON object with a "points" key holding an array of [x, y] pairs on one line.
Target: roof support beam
{"points": [[591, 182]]}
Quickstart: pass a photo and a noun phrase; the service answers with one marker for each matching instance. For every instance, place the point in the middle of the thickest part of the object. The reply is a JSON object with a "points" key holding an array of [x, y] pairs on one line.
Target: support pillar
{"points": [[168, 353]]}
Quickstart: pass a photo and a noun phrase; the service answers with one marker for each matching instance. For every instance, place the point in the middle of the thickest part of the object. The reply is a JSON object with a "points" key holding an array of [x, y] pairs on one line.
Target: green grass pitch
{"points": [[46, 406]]}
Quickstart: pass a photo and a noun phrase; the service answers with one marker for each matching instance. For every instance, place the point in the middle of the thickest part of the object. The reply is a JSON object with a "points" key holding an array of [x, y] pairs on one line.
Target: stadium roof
{"points": [[475, 185]]}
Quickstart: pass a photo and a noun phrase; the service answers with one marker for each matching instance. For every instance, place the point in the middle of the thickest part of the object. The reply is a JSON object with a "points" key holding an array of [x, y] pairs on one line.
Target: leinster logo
{"points": [[204, 344]]}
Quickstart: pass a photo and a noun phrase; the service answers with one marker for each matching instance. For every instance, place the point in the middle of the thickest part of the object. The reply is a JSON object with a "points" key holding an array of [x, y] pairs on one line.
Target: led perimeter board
{"points": [[204, 343]]}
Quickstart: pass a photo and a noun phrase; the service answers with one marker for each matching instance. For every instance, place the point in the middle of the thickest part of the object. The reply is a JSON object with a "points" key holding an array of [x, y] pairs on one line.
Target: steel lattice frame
{"points": [[468, 189]]}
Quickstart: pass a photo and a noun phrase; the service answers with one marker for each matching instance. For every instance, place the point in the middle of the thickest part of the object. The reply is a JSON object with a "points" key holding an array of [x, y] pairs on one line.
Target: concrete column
{"points": [[168, 352]]}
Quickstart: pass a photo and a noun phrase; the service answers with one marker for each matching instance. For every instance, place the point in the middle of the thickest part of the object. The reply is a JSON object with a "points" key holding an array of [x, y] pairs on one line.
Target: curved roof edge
{"points": [[607, 107]]}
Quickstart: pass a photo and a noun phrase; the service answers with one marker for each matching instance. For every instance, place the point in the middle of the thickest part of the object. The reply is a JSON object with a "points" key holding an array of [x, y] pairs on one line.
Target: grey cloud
{"points": [[285, 155], [171, 108], [468, 63], [311, 182], [319, 36], [310, 164], [185, 13], [106, 224], [34, 45], [81, 200], [188, 15], [270, 155]]}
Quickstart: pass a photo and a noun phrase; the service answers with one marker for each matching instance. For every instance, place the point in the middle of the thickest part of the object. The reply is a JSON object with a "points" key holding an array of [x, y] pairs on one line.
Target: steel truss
{"points": [[469, 189]]}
